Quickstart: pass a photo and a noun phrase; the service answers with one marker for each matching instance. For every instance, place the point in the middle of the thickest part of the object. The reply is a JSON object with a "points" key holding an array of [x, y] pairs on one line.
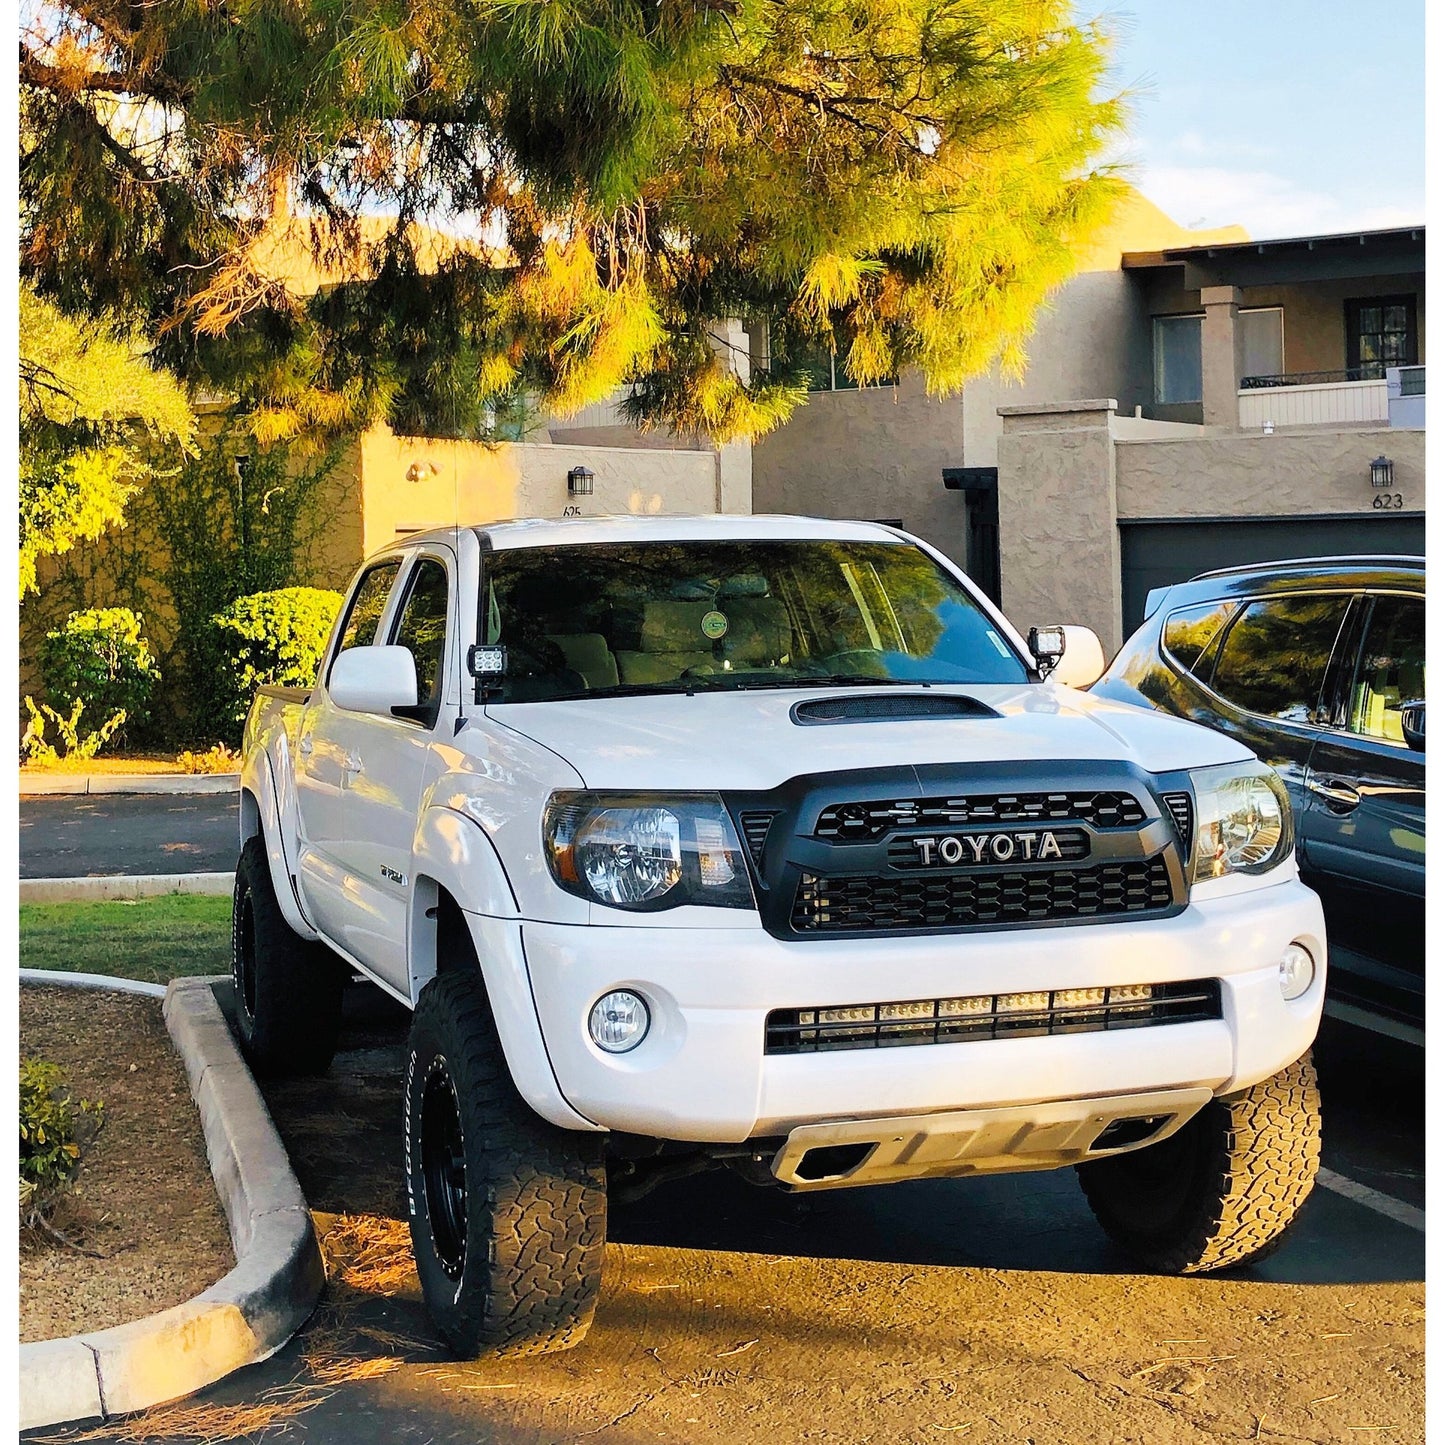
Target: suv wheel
{"points": [[1224, 1189], [508, 1213], [288, 988]]}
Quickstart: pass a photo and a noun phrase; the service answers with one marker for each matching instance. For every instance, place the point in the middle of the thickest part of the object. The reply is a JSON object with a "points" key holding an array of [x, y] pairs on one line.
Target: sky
{"points": [[1287, 117]]}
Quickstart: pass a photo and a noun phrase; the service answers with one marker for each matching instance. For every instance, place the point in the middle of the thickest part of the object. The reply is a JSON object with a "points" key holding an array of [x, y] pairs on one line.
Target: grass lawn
{"points": [[153, 939]]}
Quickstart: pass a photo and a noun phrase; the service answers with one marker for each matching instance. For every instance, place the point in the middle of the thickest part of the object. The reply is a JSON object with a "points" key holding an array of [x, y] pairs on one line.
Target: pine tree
{"points": [[407, 208]]}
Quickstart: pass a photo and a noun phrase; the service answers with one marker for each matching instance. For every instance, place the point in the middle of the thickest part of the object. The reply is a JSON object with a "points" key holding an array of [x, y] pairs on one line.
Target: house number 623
{"points": [[1389, 502]]}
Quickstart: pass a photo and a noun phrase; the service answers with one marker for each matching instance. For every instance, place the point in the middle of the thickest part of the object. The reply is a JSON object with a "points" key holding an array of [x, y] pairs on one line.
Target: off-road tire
{"points": [[522, 1274], [288, 988], [1224, 1189]]}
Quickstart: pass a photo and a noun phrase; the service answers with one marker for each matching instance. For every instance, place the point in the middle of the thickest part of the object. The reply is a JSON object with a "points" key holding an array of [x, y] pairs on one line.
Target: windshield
{"points": [[652, 617]]}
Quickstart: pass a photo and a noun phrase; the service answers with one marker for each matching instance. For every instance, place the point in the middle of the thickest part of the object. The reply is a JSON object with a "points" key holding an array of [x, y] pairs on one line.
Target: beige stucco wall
{"points": [[881, 452], [873, 453], [1312, 470], [476, 483], [1069, 472], [1058, 528]]}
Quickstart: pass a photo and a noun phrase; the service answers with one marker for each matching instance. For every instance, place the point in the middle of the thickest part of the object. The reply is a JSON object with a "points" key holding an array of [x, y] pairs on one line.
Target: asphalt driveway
{"points": [[88, 836]]}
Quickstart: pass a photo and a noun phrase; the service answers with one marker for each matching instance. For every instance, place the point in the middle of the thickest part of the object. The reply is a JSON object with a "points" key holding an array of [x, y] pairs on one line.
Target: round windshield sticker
{"points": [[714, 625]]}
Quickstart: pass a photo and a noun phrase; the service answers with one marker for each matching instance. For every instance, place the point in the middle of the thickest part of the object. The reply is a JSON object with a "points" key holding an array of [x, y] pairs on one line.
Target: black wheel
{"points": [[1224, 1189], [508, 1213], [288, 988]]}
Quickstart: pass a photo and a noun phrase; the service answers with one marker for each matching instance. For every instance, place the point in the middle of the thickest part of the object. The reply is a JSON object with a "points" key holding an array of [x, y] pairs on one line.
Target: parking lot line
{"points": [[1395, 1209]]}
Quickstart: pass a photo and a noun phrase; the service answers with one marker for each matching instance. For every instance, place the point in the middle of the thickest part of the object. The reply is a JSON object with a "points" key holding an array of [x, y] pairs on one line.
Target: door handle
{"points": [[305, 746], [353, 764], [1336, 793]]}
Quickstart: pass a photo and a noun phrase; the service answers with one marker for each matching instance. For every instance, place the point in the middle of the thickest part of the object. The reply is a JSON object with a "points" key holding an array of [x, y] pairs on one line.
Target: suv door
{"points": [[1363, 827], [1270, 674]]}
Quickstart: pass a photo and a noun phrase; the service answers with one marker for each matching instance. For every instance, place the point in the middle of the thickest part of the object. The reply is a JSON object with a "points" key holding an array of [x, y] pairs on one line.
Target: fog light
{"points": [[618, 1022], [1296, 971]]}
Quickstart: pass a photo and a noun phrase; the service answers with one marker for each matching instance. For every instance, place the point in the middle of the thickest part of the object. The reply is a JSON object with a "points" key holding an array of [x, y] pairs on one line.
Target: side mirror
{"points": [[373, 679], [1412, 722], [1070, 655]]}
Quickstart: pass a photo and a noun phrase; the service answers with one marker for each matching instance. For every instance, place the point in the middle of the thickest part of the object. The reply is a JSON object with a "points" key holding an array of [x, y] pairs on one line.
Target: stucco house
{"points": [[1191, 400]]}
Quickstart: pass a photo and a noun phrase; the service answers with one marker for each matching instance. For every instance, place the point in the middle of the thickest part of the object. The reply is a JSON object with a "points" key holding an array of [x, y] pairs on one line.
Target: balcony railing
{"points": [[1370, 371], [1301, 400]]}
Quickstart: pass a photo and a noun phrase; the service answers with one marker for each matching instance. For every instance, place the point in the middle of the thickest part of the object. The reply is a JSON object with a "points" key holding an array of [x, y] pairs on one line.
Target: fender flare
{"points": [[453, 852], [262, 812]]}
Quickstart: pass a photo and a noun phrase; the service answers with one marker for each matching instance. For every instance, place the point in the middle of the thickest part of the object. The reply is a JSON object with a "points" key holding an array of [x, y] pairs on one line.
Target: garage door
{"points": [[1156, 554]]}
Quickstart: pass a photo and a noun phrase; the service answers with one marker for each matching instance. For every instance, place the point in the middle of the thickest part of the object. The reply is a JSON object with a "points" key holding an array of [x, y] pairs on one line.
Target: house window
{"points": [[827, 371], [1261, 333], [1380, 332], [1178, 371]]}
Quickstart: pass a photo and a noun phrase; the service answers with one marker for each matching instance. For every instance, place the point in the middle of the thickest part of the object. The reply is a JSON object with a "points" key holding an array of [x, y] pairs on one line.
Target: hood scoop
{"points": [[888, 707]]}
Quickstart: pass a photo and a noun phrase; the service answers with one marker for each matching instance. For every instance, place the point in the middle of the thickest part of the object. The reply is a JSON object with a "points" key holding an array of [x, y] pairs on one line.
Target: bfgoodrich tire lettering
{"points": [[288, 989], [510, 1254], [1225, 1188]]}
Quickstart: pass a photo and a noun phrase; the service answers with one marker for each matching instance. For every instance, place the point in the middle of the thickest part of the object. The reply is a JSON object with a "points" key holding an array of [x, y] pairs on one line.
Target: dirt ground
{"points": [[143, 1197]]}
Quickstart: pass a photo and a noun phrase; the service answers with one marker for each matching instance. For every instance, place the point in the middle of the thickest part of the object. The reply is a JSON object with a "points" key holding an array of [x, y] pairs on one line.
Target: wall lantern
{"points": [[579, 482], [420, 471], [1382, 472]]}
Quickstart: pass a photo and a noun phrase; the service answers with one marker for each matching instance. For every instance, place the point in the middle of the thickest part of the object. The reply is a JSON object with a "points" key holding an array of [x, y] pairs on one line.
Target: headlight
{"points": [[645, 852], [1242, 822]]}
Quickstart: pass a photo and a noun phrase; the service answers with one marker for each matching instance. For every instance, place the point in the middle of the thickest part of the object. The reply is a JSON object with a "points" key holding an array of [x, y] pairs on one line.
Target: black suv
{"points": [[1319, 667]]}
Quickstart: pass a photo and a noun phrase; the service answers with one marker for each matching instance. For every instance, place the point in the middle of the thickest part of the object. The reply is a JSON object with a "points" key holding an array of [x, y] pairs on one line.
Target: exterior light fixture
{"points": [[579, 482], [420, 471], [1382, 472]]}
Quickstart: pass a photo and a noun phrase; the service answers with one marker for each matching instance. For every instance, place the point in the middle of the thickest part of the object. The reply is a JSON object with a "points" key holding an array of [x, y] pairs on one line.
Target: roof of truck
{"points": [[572, 531]]}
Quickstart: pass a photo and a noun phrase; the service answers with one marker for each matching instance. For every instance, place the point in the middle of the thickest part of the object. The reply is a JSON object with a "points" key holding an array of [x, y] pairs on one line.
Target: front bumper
{"points": [[702, 1074]]}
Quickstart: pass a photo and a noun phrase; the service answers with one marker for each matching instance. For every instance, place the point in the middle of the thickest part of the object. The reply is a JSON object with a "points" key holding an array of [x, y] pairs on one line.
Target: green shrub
{"points": [[99, 657], [272, 638], [52, 1128]]}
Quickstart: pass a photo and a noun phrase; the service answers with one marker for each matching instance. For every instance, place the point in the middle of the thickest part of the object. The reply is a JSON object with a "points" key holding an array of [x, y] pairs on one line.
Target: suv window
{"points": [[368, 602], [1274, 657], [422, 630], [1189, 632], [1391, 668]]}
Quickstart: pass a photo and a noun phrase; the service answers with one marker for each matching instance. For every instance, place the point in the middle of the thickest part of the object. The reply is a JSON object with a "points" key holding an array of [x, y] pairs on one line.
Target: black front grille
{"points": [[755, 833], [862, 822], [990, 1016], [1181, 809], [964, 900]]}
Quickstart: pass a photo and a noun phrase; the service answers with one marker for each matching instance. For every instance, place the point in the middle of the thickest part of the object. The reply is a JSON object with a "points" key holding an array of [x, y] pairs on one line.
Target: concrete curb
{"points": [[246, 1316], [123, 885], [49, 784]]}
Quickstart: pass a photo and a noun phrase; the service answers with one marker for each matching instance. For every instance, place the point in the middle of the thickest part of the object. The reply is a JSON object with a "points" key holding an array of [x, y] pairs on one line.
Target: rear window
{"points": [[624, 618], [1274, 657]]}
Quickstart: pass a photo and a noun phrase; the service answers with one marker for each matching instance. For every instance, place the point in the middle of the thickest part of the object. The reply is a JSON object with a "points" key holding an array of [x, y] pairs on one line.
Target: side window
{"points": [[421, 628], [1189, 633], [1391, 668], [368, 602], [1274, 657]]}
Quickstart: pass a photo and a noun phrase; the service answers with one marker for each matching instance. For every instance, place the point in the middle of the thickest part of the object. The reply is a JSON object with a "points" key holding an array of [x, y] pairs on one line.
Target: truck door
{"points": [[385, 761], [1363, 829], [324, 775]]}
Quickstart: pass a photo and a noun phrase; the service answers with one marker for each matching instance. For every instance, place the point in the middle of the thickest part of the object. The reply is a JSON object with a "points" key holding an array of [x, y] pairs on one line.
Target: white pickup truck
{"points": [[768, 843]]}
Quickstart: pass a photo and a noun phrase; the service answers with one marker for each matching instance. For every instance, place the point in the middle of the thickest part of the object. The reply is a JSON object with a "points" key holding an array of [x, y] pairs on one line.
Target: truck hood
{"points": [[748, 741]]}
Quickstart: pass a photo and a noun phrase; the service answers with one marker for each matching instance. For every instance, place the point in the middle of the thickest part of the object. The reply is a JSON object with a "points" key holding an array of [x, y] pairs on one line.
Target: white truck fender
{"points": [[263, 812], [452, 852]]}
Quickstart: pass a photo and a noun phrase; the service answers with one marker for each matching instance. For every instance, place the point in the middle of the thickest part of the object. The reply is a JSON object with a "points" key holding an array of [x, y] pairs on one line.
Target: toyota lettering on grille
{"points": [[951, 849]]}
